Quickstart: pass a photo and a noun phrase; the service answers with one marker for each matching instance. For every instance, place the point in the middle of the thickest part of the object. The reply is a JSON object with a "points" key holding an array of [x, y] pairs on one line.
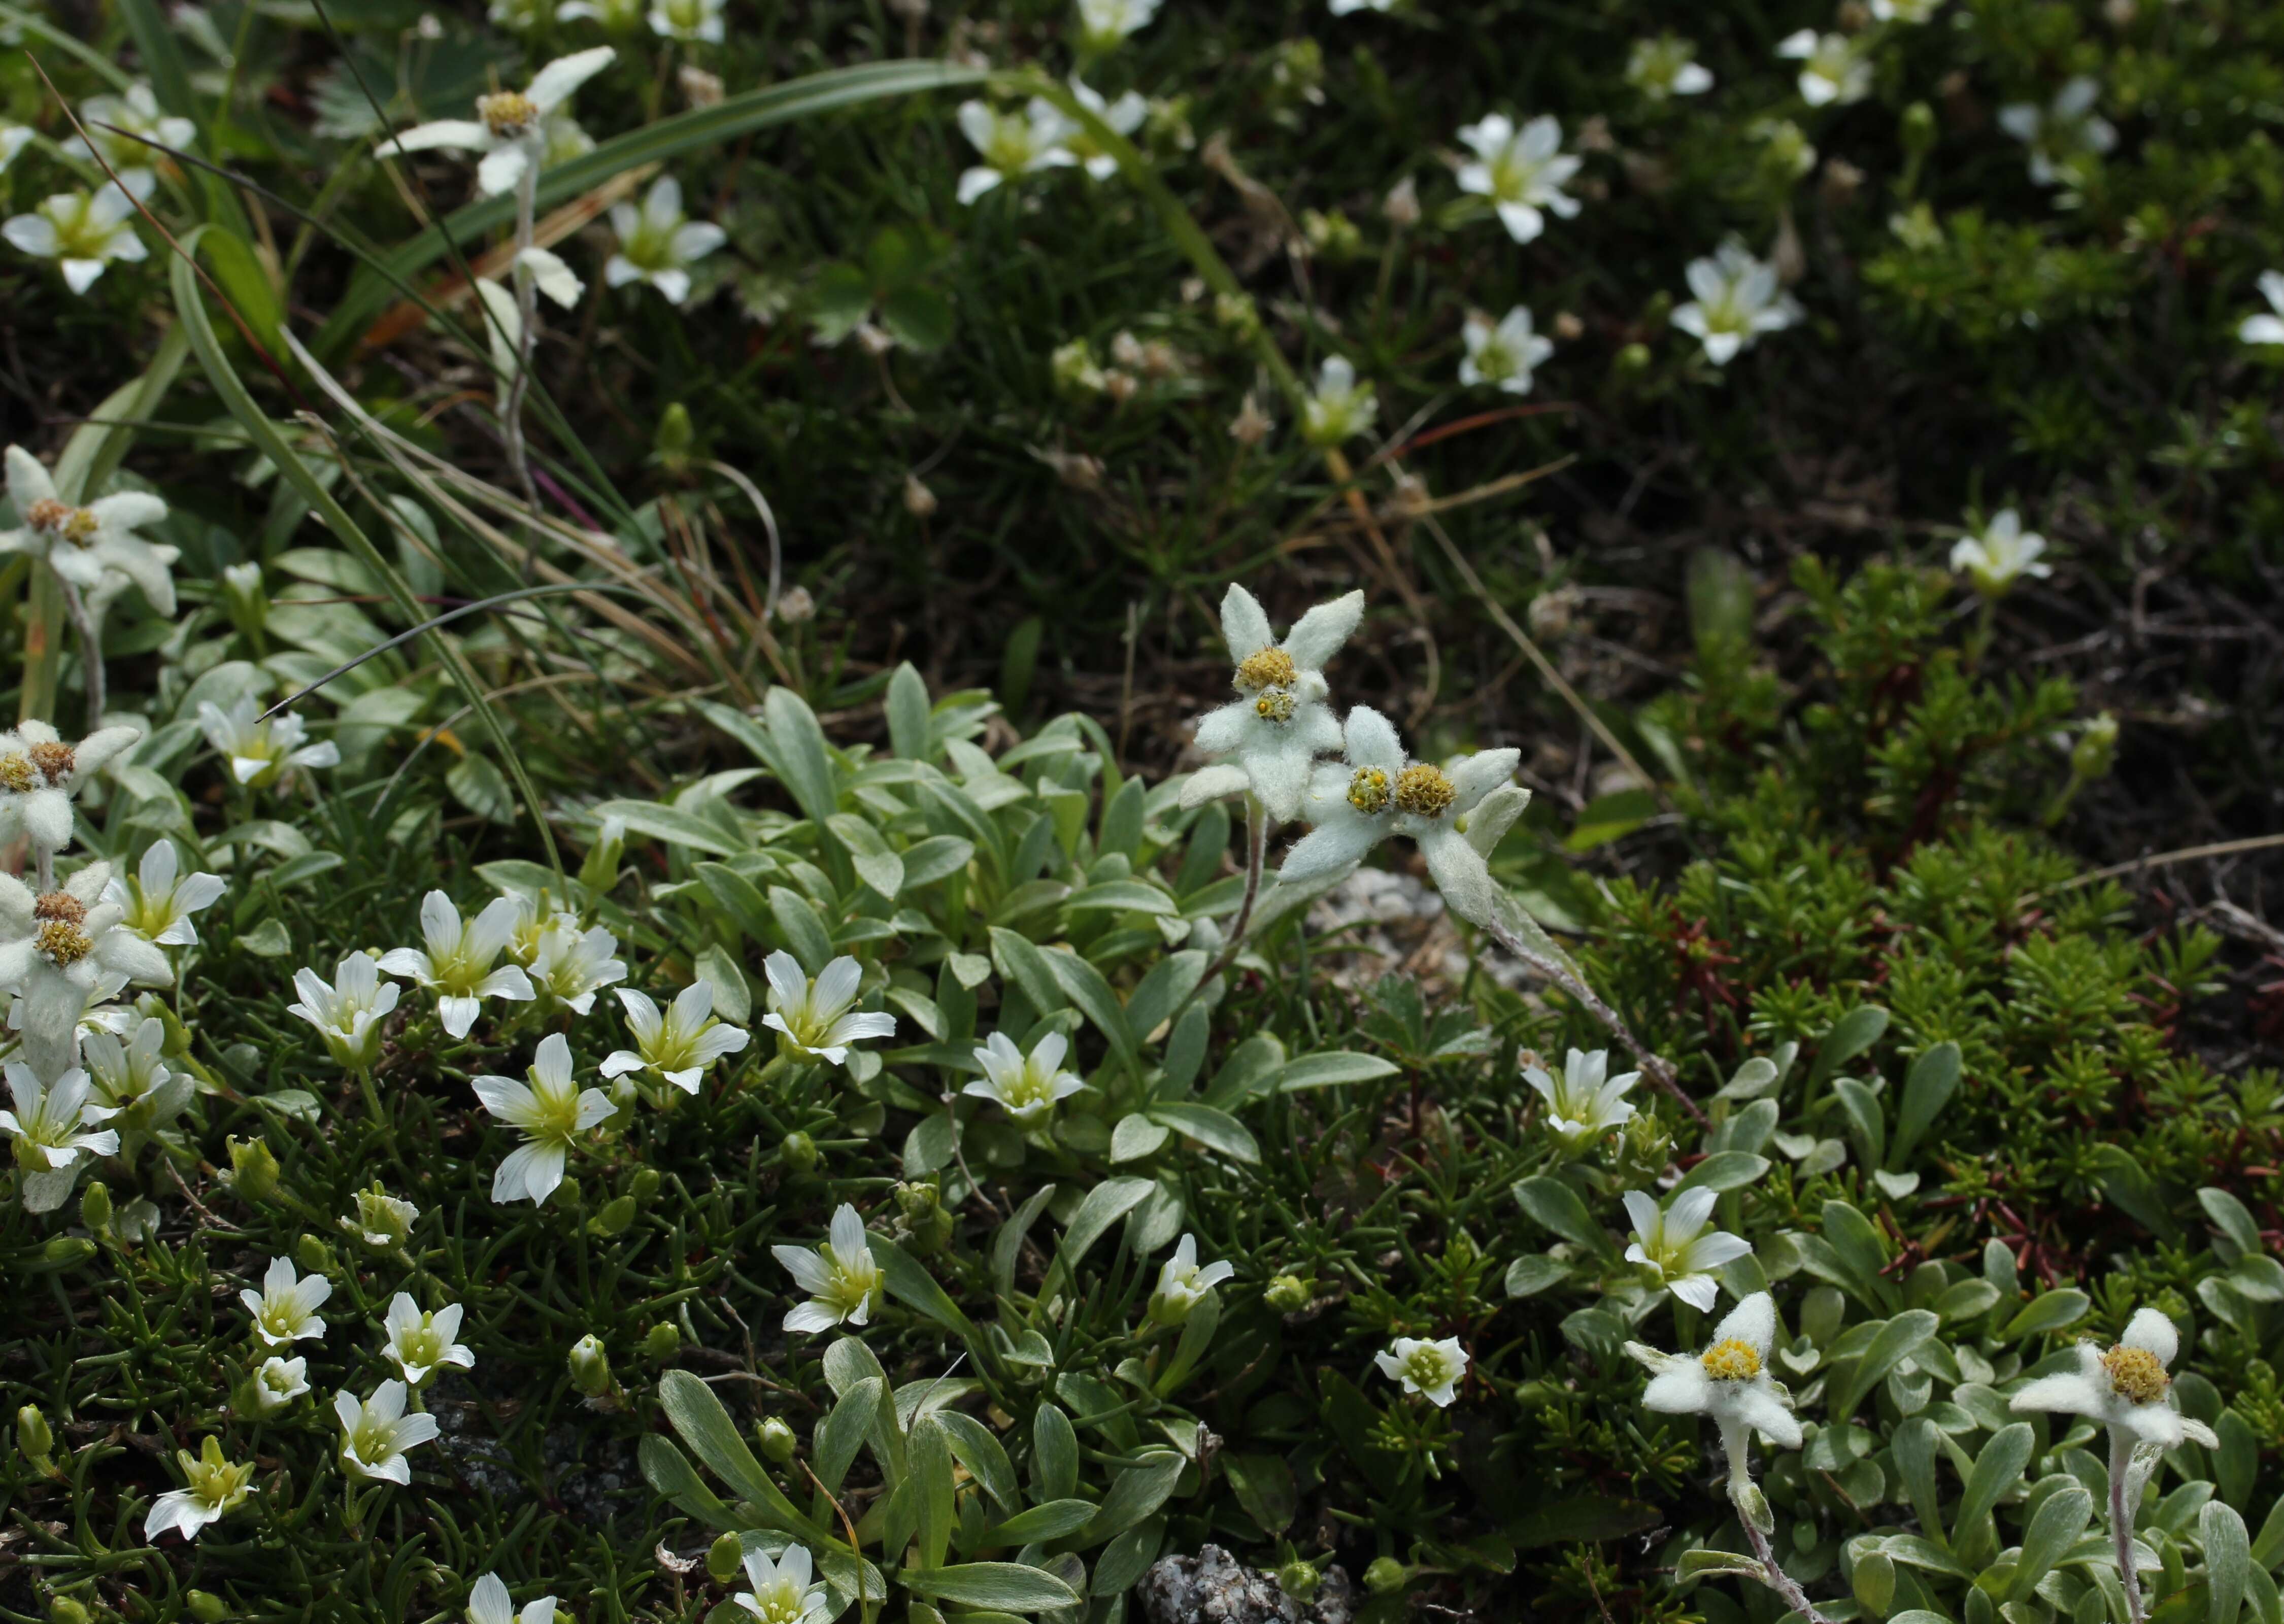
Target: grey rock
{"points": [[1215, 1587]]}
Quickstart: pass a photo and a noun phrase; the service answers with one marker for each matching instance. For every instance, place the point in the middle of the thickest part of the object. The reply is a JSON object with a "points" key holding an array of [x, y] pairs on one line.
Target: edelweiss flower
{"points": [[509, 129], [134, 113], [280, 1382], [285, 1308], [572, 965], [1663, 67], [783, 1592], [552, 1110], [1833, 67], [1670, 1241], [2065, 129], [130, 1083], [262, 753], [2129, 1388], [457, 965], [1105, 24], [1380, 792], [214, 1489], [680, 1045], [46, 1124], [1182, 1283], [1280, 723], [347, 1014], [489, 1602], [1027, 1087], [815, 1019], [80, 543], [1504, 354], [658, 244], [1124, 115], [159, 901], [1729, 1382], [381, 1220], [1012, 143], [421, 1344], [689, 21], [1737, 300], [81, 231], [840, 1277], [2267, 328], [1338, 409], [61, 951], [1583, 1103], [376, 1433], [2001, 554], [1435, 1369], [39, 775], [1522, 171]]}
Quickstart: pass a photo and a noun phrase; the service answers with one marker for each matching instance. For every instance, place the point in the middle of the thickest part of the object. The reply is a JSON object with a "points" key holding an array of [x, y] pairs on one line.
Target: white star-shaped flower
{"points": [[47, 1128], [157, 904], [1583, 1102], [1834, 69], [262, 752], [2268, 326], [421, 1344], [285, 1308], [783, 1592], [1280, 723], [815, 1018], [1431, 1368], [1338, 408], [552, 1110], [2001, 554], [280, 1382], [459, 963], [658, 244], [841, 1276], [680, 1043], [376, 1433], [571, 966], [1504, 354], [1012, 143], [130, 1080], [348, 1013], [489, 1602], [1523, 171], [1027, 1087], [1183, 1282], [1126, 115], [2066, 128], [1671, 1242], [689, 21], [1739, 298], [212, 1489], [81, 543], [1104, 24], [83, 232], [509, 130], [1664, 66], [135, 112]]}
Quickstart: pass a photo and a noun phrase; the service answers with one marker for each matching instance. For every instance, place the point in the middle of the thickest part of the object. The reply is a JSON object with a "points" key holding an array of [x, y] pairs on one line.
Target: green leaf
{"points": [[1927, 1087], [1022, 962], [911, 731], [1325, 1071], [1608, 817], [669, 1471], [1087, 988], [1007, 1243], [1264, 1487], [1121, 897], [1009, 1586], [912, 1284], [1995, 1470], [1850, 1036], [1702, 1563], [875, 864], [845, 1428], [803, 931], [671, 824], [231, 261], [1056, 1520], [1897, 1341], [1529, 1276], [1554, 1206], [2231, 1217], [2228, 1560], [1135, 1492], [1216, 1131], [929, 1451], [2061, 1518], [1165, 989], [1054, 1453], [804, 761], [697, 1416], [1725, 1170], [481, 787], [983, 1454], [918, 317], [1105, 1204], [2056, 1310]]}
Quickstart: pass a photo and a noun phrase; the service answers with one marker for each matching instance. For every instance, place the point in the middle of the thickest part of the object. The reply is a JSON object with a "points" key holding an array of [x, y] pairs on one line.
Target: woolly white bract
{"points": [[39, 775], [2129, 1388], [1280, 723], [83, 544], [1729, 1382], [509, 125]]}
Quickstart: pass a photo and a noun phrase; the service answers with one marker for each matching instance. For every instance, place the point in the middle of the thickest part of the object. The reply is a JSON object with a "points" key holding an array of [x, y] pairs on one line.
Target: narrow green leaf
{"points": [[1996, 1469], [1010, 1586], [1556, 1207], [668, 1470], [2228, 1560], [913, 1285], [1135, 1492], [1927, 1087], [1325, 1071], [2061, 1517], [697, 1416], [1216, 1131], [2055, 1310], [983, 1454], [1054, 1453], [1056, 1520], [1105, 1204], [911, 733], [1084, 986]]}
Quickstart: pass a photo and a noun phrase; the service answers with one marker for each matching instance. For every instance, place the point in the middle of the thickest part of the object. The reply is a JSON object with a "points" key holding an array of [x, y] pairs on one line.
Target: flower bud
{"points": [[33, 1436], [253, 1170], [797, 1154], [672, 446], [1917, 130], [724, 1558], [244, 600], [2096, 750], [1238, 313], [1632, 360], [920, 500], [1289, 1293], [925, 1219], [614, 1219], [599, 872], [1401, 206], [663, 1342], [644, 1186], [591, 1366], [206, 1606], [314, 1256], [1386, 1576], [775, 1440], [796, 605], [64, 1610], [95, 1206], [1299, 1580], [380, 1221]]}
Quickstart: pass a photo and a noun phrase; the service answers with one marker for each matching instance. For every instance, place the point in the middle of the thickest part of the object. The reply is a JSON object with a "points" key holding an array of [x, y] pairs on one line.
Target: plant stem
{"points": [[90, 651], [1774, 1576], [1257, 851], [1655, 1066], [43, 616], [527, 310], [2121, 1520]]}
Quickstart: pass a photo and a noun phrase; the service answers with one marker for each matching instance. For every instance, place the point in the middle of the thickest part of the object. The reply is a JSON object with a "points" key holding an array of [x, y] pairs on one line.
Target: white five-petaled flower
{"points": [[1027, 1087], [1523, 171], [459, 963], [1183, 1282], [552, 1110], [1729, 1382], [2129, 1388], [1834, 68], [1666, 66], [2268, 326], [1435, 1369], [1124, 116], [1012, 143], [212, 1488], [572, 965], [279, 1382], [159, 901], [39, 774], [1103, 24], [2000, 554], [783, 1592], [1279, 723], [13, 139], [1905, 10], [689, 21], [262, 752], [133, 113], [658, 243], [348, 1013], [489, 1602], [841, 1276], [815, 1019], [1671, 1242], [48, 1128], [381, 1220], [509, 130], [2064, 130], [285, 1308], [376, 1433], [419, 1344], [681, 1043], [82, 231], [1378, 791], [1338, 408], [129, 1079], [1737, 300], [62, 950], [83, 543], [1583, 1101], [1504, 354]]}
